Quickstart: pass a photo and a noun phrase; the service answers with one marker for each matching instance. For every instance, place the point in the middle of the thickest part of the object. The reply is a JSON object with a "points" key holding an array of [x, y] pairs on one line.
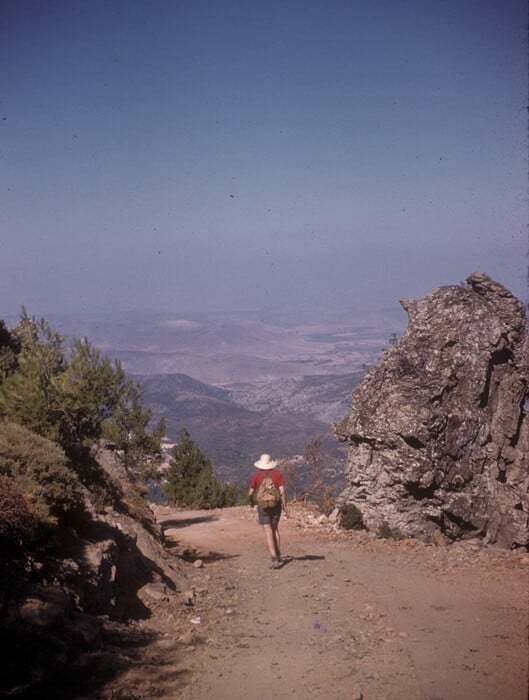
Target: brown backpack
{"points": [[268, 495]]}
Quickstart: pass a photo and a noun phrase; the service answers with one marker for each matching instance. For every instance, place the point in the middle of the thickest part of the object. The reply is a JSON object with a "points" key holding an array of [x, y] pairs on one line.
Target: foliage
{"points": [[9, 348], [27, 392], [39, 471], [328, 502], [308, 484], [190, 479], [128, 428], [17, 519], [351, 517], [17, 528], [74, 396], [245, 500], [385, 532]]}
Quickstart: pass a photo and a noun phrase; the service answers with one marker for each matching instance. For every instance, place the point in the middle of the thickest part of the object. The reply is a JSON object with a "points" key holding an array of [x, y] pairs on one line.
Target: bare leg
{"points": [[270, 540], [277, 540]]}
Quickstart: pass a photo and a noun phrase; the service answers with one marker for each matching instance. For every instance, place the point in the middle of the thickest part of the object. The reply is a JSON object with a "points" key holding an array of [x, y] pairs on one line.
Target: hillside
{"points": [[231, 435], [326, 398]]}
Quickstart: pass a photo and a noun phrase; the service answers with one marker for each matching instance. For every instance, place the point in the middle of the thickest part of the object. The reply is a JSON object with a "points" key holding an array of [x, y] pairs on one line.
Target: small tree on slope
{"points": [[190, 479]]}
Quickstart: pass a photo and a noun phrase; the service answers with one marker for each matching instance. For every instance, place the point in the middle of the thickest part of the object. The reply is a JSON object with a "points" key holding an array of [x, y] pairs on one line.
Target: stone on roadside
{"points": [[189, 597], [439, 539], [152, 591], [198, 563], [168, 644], [333, 517]]}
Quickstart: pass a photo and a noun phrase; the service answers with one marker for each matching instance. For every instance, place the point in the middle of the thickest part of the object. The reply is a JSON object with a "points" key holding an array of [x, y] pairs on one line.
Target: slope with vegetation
{"points": [[190, 480], [80, 550], [233, 436]]}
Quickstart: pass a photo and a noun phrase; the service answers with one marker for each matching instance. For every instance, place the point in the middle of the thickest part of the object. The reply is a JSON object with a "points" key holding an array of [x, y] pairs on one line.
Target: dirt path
{"points": [[347, 618]]}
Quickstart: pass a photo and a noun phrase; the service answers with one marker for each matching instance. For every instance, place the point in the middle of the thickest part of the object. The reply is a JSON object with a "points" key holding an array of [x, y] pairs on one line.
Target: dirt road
{"points": [[347, 617]]}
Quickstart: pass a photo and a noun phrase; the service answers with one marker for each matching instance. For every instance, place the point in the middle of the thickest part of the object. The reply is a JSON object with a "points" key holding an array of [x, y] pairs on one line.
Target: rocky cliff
{"points": [[438, 432]]}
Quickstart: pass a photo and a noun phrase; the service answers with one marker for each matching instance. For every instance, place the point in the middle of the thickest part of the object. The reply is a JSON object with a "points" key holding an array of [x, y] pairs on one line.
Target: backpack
{"points": [[268, 494]]}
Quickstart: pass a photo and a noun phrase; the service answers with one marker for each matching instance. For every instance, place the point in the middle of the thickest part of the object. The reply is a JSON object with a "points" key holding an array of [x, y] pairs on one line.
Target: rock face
{"points": [[439, 433]]}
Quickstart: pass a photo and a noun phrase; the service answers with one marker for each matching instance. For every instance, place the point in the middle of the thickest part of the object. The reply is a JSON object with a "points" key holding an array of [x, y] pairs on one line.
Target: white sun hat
{"points": [[265, 463]]}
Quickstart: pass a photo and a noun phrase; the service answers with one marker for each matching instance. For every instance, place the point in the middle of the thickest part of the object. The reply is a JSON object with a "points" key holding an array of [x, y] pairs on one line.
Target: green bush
{"points": [[351, 517], [39, 471]]}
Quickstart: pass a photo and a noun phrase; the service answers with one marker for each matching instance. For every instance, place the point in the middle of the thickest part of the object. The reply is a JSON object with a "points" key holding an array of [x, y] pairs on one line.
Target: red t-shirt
{"points": [[259, 476]]}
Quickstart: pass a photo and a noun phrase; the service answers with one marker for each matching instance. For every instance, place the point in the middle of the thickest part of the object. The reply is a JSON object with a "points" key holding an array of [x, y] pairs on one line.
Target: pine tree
{"points": [[74, 396], [190, 478]]}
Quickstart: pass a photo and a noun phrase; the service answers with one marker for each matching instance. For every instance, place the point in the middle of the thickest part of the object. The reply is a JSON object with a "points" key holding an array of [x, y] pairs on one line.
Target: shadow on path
{"points": [[187, 522], [218, 556], [306, 557]]}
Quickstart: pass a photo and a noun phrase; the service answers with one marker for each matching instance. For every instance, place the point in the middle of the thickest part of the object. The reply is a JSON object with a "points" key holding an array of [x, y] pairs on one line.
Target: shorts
{"points": [[270, 516]]}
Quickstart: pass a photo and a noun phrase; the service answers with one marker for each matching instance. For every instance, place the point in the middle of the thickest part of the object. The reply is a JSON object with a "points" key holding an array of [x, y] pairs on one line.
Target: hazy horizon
{"points": [[181, 157]]}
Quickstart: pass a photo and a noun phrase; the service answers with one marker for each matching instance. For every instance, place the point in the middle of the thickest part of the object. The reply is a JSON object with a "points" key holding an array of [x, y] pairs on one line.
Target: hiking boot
{"points": [[275, 563]]}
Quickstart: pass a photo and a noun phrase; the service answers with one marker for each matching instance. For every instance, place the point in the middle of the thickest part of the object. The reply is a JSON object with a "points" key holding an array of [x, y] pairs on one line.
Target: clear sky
{"points": [[233, 154]]}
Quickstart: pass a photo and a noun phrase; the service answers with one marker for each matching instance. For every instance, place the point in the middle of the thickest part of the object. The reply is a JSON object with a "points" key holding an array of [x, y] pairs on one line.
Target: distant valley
{"points": [[224, 349], [248, 382], [234, 427]]}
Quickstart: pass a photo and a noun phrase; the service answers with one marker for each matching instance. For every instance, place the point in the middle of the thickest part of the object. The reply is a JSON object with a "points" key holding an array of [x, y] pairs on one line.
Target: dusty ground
{"points": [[346, 617]]}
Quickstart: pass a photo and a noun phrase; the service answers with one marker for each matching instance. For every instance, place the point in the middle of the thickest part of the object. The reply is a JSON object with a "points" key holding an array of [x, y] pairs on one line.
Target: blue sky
{"points": [[189, 155]]}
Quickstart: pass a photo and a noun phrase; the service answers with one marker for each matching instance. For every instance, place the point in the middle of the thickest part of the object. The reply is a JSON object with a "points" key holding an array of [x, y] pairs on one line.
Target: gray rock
{"points": [[333, 517], [438, 435], [152, 591], [189, 597], [45, 607]]}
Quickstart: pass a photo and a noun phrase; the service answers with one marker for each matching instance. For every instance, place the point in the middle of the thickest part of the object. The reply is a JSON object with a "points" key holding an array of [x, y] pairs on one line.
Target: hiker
{"points": [[268, 486]]}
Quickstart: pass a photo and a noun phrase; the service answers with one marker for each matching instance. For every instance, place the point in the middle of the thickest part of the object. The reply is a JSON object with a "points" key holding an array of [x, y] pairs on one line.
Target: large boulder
{"points": [[438, 432]]}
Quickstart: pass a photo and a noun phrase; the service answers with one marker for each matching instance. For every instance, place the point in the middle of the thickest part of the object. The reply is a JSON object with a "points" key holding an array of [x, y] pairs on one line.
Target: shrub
{"points": [[327, 501], [305, 478], [351, 517], [17, 529], [17, 521], [385, 532], [39, 471]]}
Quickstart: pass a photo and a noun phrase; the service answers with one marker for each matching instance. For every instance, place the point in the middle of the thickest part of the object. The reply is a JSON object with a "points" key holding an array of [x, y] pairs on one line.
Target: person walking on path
{"points": [[267, 487]]}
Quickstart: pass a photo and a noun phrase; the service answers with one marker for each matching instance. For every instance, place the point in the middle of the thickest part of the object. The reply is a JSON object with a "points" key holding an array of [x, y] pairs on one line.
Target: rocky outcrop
{"points": [[438, 433]]}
